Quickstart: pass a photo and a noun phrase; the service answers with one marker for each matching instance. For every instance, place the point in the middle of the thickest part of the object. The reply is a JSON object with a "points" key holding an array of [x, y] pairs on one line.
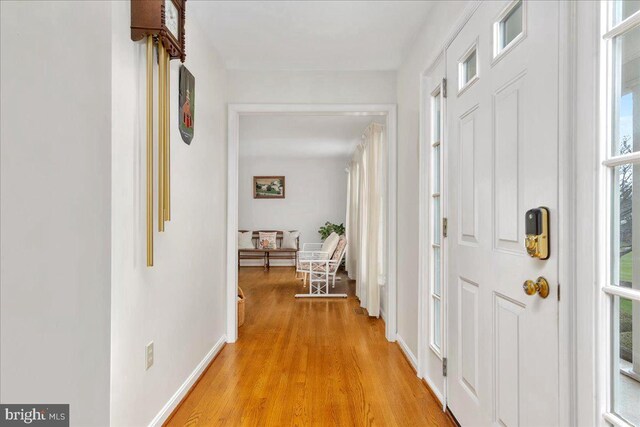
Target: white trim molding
{"points": [[567, 215], [413, 360], [435, 391], [579, 239], [622, 159], [624, 26], [389, 111], [615, 420], [180, 394]]}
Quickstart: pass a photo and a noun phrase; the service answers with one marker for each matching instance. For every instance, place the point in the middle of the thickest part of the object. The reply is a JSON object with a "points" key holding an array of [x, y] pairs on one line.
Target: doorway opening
{"points": [[275, 185]]}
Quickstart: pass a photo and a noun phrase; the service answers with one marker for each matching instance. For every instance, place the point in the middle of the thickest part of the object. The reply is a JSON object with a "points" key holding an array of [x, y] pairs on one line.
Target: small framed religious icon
{"points": [[186, 107]]}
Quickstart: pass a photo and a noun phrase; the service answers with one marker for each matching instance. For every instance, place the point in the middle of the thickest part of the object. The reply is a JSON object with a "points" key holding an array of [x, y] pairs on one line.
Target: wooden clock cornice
{"points": [[148, 19]]}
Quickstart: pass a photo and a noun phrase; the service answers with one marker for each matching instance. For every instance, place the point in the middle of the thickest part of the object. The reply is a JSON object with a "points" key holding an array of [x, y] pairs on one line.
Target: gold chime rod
{"points": [[161, 130], [149, 151], [167, 142]]}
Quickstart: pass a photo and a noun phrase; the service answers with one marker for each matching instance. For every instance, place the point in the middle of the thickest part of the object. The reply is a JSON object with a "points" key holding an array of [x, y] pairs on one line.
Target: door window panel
{"points": [[511, 26], [436, 220], [624, 229], [436, 271], [625, 379], [437, 337], [436, 169], [469, 68], [626, 93], [436, 118]]}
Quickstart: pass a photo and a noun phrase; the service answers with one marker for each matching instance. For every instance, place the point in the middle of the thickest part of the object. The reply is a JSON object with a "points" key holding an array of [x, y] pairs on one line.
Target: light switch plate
{"points": [[149, 355]]}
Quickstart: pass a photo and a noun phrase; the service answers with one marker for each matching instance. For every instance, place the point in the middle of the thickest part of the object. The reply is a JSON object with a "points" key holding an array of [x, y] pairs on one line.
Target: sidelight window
{"points": [[621, 163], [436, 222]]}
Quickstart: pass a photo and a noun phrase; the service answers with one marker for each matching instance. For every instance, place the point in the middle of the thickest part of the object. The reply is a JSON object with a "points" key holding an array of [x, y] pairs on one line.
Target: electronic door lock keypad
{"points": [[537, 232]]}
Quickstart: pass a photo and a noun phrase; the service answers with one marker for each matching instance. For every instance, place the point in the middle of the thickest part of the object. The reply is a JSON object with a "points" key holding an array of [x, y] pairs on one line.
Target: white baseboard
{"points": [[414, 361], [407, 351], [175, 400], [383, 314], [434, 389]]}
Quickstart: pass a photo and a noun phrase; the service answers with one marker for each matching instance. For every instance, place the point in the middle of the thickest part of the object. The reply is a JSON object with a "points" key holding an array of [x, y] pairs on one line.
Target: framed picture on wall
{"points": [[268, 187]]}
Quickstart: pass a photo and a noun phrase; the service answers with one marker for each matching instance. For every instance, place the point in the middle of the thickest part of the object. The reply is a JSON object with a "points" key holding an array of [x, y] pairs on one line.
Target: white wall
{"points": [[56, 197], [312, 87], [316, 192], [179, 303], [424, 51]]}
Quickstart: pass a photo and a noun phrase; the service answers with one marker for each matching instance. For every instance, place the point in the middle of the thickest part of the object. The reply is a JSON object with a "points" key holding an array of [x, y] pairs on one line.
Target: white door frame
{"points": [[581, 320], [233, 139], [424, 227], [574, 259], [424, 211]]}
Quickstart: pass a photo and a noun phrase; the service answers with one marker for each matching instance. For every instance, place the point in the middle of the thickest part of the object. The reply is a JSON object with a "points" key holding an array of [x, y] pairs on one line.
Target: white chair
{"points": [[309, 252], [316, 251], [320, 267]]}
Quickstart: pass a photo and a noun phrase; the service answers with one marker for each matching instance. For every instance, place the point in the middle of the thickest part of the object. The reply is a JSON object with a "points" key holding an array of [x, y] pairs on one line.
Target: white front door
{"points": [[502, 134]]}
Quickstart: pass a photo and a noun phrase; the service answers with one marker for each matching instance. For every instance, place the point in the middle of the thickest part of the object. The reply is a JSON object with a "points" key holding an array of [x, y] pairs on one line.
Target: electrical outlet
{"points": [[149, 355]]}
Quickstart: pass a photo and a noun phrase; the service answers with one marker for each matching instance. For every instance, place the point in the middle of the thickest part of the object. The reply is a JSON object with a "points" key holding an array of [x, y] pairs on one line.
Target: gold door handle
{"points": [[541, 287]]}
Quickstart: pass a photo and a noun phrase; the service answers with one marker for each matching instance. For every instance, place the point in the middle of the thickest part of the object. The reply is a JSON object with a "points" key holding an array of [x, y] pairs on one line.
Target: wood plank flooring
{"points": [[307, 363]]}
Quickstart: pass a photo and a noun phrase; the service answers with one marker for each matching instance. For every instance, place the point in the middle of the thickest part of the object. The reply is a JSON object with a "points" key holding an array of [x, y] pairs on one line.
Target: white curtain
{"points": [[352, 216], [352, 219], [366, 222]]}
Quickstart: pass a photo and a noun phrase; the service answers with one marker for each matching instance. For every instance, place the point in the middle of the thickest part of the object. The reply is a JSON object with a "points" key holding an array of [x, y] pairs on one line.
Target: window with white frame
{"points": [[468, 68], [509, 28], [621, 163], [436, 221]]}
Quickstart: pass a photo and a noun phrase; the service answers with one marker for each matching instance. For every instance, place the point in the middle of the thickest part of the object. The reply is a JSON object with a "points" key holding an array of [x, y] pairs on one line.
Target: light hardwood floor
{"points": [[307, 362]]}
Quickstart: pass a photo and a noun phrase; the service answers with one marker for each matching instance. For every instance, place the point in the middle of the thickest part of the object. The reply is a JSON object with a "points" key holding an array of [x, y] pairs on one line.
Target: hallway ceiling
{"points": [[302, 136], [311, 35]]}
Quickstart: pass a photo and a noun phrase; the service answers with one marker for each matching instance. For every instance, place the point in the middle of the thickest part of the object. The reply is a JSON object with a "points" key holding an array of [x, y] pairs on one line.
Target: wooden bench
{"points": [[268, 254]]}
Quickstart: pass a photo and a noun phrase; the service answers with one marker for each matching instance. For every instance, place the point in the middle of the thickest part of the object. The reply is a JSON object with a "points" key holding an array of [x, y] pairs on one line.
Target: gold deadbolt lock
{"points": [[541, 287], [537, 232]]}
